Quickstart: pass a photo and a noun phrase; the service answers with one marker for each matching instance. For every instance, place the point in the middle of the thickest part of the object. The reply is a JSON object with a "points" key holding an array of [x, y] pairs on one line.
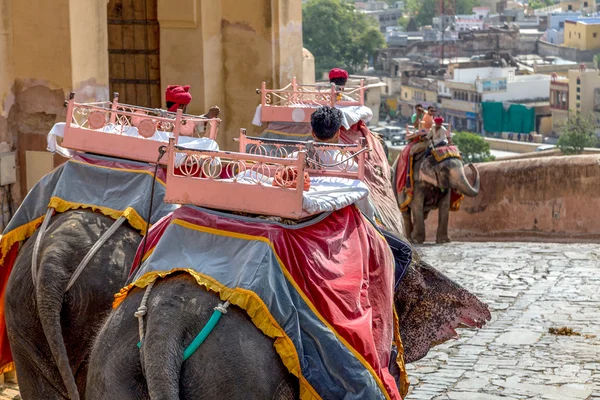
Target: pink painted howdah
{"points": [[251, 183], [130, 132], [289, 104]]}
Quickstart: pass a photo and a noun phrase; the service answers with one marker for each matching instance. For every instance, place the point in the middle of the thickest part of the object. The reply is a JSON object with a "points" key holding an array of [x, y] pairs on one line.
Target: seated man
{"points": [[438, 135], [178, 97], [427, 120], [326, 123]]}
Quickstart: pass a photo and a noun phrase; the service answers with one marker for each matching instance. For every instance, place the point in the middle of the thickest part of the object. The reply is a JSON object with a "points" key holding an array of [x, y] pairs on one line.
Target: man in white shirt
{"points": [[438, 135]]}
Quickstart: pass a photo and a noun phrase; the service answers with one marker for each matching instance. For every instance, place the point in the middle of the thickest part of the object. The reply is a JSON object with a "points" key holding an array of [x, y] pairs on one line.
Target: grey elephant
{"points": [[237, 360], [51, 330], [433, 183]]}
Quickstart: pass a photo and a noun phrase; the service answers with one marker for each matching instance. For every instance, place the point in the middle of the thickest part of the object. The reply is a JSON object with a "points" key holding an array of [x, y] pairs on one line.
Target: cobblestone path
{"points": [[529, 289]]}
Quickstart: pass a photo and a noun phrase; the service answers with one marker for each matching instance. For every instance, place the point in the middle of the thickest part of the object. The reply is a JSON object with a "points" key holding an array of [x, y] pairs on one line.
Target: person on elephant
{"points": [[427, 120], [326, 123], [339, 77], [417, 116], [178, 97], [438, 135]]}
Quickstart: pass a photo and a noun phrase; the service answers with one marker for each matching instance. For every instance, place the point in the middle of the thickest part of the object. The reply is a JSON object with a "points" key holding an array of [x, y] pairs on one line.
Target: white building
{"points": [[468, 23], [462, 95]]}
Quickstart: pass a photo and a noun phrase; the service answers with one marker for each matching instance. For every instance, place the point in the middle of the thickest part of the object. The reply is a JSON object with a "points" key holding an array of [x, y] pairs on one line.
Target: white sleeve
{"points": [[257, 116]]}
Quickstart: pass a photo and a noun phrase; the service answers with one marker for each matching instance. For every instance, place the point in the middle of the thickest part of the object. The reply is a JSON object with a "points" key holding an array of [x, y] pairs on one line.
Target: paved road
{"points": [[529, 288]]}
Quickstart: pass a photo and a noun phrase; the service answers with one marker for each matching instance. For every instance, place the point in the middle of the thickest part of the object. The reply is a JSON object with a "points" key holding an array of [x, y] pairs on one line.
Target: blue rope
{"points": [[197, 342]]}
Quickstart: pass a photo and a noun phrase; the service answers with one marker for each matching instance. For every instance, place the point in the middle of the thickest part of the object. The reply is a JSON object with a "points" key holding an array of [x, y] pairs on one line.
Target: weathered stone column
{"points": [[64, 49]]}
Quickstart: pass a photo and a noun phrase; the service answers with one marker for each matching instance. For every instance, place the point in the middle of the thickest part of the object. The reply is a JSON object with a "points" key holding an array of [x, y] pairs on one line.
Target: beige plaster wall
{"points": [[57, 46], [549, 198], [6, 70], [257, 46], [89, 57], [308, 68], [224, 49]]}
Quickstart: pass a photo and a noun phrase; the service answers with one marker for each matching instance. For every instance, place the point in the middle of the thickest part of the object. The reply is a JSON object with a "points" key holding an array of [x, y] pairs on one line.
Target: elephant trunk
{"points": [[460, 183]]}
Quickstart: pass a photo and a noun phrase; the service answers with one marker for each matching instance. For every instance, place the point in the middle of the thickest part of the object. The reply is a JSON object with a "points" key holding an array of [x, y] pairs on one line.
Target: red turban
{"points": [[438, 120], [337, 73], [179, 95]]}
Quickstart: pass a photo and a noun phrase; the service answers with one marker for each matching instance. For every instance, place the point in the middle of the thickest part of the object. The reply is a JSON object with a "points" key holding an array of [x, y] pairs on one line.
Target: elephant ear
{"points": [[431, 306]]}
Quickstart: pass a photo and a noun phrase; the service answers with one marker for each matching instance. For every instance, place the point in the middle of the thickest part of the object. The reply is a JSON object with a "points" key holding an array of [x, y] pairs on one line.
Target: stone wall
{"points": [[546, 198], [546, 49]]}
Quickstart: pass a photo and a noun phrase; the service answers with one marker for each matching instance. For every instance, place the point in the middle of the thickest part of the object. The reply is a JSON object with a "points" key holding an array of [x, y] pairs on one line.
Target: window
{"points": [[578, 97], [579, 34], [578, 105], [570, 7], [569, 35], [578, 81], [406, 95], [561, 24], [578, 90], [585, 3]]}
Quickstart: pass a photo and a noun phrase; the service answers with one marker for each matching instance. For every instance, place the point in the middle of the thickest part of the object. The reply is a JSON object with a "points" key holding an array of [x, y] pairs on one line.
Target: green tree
{"points": [[472, 147], [578, 133], [403, 22], [339, 36]]}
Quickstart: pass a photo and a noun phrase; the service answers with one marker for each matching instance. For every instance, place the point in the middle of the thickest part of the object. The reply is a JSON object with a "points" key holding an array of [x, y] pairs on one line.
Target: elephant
{"points": [[237, 360], [51, 330], [433, 183]]}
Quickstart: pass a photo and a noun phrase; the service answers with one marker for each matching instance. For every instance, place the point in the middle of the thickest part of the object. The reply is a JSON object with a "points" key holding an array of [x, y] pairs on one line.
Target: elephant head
{"points": [[449, 174]]}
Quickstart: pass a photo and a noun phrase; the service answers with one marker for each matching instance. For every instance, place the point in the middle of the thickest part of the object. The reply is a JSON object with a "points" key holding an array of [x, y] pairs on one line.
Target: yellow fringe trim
{"points": [[404, 382], [24, 232], [134, 219], [18, 235], [256, 310], [450, 154], [409, 193], [7, 368]]}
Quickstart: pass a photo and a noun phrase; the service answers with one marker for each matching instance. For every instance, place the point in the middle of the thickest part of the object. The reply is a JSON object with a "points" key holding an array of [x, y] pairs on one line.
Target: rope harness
{"points": [[198, 340]]}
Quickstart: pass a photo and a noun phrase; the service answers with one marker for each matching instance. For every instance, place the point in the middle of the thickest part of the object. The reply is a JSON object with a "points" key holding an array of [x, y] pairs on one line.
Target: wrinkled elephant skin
{"points": [[51, 332], [430, 307]]}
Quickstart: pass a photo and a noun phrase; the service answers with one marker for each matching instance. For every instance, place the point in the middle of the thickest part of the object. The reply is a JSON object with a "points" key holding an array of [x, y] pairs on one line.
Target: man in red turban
{"points": [[338, 76], [178, 97], [438, 135]]}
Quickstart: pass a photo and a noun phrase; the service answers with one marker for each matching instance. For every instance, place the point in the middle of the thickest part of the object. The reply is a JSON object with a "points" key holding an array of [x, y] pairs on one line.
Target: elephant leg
{"points": [[416, 208], [443, 216], [407, 220]]}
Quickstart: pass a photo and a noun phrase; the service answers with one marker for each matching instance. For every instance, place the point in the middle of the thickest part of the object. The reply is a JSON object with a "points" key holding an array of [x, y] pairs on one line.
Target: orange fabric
{"points": [[427, 121]]}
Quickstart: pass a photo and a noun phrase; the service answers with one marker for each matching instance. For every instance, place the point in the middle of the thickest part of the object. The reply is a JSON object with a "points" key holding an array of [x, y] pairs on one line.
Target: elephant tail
{"points": [[50, 288]]}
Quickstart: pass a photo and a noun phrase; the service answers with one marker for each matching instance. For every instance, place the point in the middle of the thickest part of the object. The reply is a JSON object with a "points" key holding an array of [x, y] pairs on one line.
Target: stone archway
{"points": [[134, 51]]}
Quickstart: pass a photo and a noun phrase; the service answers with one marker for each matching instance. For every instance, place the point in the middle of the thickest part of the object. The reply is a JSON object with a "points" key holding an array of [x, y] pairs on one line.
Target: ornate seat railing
{"points": [[342, 160], [253, 183], [126, 131], [290, 104]]}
